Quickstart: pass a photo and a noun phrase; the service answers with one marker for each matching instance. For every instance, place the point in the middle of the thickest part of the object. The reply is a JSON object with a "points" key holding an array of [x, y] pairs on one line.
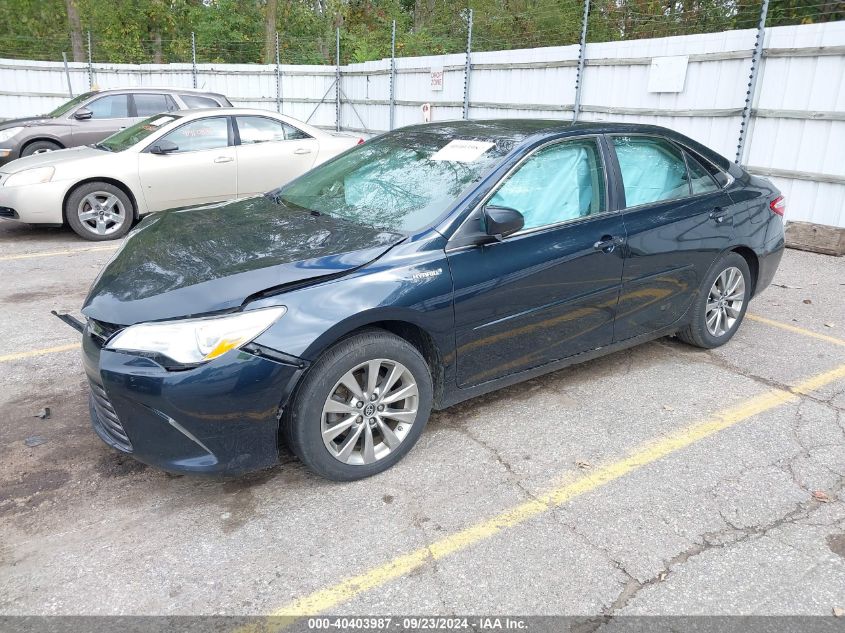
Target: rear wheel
{"points": [[99, 211], [361, 407], [40, 147], [721, 304]]}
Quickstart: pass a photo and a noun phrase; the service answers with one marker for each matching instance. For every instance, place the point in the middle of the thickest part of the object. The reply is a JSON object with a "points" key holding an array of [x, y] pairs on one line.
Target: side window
{"points": [[294, 133], [110, 107], [259, 129], [200, 135], [195, 101], [721, 178], [700, 179], [560, 182], [147, 104], [652, 170]]}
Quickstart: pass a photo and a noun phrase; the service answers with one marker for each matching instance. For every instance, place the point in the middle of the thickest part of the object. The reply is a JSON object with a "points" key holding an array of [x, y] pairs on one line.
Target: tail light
{"points": [[360, 141], [778, 206]]}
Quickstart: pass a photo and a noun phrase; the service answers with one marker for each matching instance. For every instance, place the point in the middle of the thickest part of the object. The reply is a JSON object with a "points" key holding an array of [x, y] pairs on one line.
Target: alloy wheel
{"points": [[369, 412], [724, 302], [101, 213]]}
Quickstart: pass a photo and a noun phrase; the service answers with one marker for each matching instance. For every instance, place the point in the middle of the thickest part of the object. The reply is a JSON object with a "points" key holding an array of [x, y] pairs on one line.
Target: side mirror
{"points": [[82, 114], [502, 221], [164, 147]]}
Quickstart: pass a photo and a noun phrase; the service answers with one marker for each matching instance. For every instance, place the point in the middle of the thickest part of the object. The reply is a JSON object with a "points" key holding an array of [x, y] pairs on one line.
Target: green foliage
{"points": [[233, 31]]}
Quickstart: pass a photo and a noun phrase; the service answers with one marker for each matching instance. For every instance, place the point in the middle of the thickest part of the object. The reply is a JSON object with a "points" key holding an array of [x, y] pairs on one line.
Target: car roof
{"points": [[528, 130], [527, 127], [198, 112], [167, 89]]}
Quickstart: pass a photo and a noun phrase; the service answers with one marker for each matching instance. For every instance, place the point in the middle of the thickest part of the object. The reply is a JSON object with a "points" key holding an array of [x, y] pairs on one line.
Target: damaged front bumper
{"points": [[221, 417]]}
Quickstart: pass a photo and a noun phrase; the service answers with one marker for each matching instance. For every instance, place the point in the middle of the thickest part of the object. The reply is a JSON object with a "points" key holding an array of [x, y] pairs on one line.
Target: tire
{"points": [[99, 211], [40, 147], [701, 331], [306, 418]]}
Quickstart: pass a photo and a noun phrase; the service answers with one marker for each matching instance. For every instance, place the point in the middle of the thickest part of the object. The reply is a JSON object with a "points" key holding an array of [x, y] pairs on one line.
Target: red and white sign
{"points": [[437, 78]]}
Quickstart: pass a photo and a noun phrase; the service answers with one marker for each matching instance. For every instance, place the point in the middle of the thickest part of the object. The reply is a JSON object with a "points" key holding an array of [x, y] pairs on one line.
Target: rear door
{"points": [[109, 114], [146, 104], [677, 218], [203, 169], [550, 290], [270, 153]]}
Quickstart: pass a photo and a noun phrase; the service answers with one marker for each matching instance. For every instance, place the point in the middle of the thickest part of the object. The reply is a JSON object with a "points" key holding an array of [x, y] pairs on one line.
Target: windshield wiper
{"points": [[105, 148]]}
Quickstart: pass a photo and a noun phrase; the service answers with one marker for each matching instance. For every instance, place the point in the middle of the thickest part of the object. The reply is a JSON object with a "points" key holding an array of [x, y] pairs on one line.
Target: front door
{"points": [[678, 219], [271, 153], [203, 169], [550, 290], [109, 114]]}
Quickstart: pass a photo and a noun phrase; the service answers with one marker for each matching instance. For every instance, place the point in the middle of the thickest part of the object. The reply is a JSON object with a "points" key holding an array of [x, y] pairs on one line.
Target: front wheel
{"points": [[721, 303], [99, 211], [40, 147], [360, 408]]}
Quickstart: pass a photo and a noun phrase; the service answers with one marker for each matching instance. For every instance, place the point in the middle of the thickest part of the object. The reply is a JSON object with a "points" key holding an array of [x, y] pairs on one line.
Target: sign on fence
{"points": [[437, 78]]}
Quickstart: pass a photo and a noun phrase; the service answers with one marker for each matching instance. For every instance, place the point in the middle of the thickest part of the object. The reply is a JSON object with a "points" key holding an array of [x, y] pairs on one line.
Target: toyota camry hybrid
{"points": [[427, 266]]}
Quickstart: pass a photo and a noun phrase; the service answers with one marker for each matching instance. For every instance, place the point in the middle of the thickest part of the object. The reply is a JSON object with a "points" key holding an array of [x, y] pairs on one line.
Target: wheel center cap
{"points": [[369, 410]]}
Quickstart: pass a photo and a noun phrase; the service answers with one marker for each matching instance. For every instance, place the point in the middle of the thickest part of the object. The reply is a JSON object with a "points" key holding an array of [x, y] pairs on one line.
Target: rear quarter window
{"points": [[196, 101]]}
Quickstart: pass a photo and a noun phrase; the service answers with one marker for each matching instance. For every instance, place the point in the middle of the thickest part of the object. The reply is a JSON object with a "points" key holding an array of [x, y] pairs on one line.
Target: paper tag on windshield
{"points": [[462, 151]]}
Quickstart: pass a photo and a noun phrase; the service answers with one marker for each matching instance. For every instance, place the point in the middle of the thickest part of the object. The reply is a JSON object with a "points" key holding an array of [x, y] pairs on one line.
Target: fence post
{"points": [[90, 64], [582, 54], [278, 76], [337, 81], [756, 59], [468, 65], [194, 58], [392, 76], [67, 74]]}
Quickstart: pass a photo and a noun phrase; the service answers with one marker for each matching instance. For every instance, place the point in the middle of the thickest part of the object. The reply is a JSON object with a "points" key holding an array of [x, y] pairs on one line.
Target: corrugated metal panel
{"points": [[541, 83], [809, 84]]}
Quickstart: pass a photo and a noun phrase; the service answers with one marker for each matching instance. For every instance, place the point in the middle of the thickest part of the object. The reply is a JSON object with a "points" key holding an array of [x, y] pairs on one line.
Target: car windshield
{"points": [[125, 139], [70, 105], [401, 181]]}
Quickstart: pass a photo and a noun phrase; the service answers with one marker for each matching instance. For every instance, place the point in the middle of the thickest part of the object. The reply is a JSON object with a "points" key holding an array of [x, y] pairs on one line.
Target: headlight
{"points": [[193, 341], [30, 176], [8, 133]]}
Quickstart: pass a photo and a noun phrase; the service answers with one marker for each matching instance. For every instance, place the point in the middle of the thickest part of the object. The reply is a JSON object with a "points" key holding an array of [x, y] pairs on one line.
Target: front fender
{"points": [[409, 285]]}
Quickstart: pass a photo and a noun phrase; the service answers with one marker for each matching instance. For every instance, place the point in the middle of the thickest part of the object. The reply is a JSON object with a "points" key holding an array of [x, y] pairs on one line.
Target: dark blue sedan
{"points": [[424, 267]]}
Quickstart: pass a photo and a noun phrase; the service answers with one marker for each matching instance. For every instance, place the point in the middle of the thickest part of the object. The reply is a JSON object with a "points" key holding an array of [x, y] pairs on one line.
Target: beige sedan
{"points": [[171, 160]]}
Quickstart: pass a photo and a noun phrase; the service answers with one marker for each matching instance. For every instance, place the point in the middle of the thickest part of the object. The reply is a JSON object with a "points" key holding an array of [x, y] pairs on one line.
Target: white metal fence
{"points": [[696, 84]]}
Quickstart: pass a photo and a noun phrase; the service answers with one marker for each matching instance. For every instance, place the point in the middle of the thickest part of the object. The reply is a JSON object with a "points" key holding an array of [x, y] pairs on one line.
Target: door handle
{"points": [[718, 214], [608, 242], [223, 159], [302, 150]]}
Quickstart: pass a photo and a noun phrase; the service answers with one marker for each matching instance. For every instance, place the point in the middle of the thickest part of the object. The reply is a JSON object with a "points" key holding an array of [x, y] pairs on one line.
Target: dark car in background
{"points": [[91, 117], [427, 266]]}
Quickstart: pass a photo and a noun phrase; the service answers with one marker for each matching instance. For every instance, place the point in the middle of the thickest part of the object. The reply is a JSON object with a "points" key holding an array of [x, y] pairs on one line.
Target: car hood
{"points": [[53, 159], [210, 259], [29, 121]]}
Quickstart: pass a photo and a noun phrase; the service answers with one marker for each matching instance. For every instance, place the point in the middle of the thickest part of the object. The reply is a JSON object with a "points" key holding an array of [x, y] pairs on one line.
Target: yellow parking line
{"points": [[67, 251], [324, 599], [38, 352], [796, 329]]}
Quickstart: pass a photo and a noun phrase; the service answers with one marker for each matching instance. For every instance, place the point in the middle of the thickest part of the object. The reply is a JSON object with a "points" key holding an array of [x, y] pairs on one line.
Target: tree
{"points": [[75, 27], [270, 32]]}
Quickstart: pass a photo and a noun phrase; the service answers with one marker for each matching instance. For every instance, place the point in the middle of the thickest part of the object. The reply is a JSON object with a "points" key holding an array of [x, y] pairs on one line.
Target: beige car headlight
{"points": [[191, 341], [32, 176]]}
